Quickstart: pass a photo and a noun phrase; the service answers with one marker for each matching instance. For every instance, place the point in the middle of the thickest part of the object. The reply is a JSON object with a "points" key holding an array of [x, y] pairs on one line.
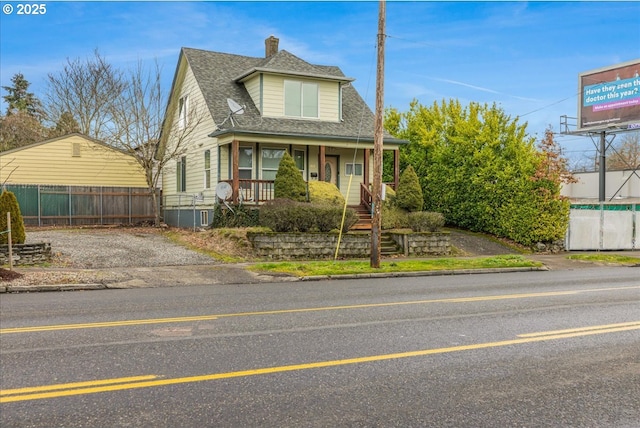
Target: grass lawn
{"points": [[606, 258], [302, 269]]}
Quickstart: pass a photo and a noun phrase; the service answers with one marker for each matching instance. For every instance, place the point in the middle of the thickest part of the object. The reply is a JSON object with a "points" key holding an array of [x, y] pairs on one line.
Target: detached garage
{"points": [[76, 180]]}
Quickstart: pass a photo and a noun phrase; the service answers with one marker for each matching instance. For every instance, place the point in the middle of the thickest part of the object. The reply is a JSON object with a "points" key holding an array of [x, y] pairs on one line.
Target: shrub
{"points": [[241, 216], [285, 215], [390, 195], [322, 192], [9, 204], [393, 217], [409, 193], [289, 183], [424, 221]]}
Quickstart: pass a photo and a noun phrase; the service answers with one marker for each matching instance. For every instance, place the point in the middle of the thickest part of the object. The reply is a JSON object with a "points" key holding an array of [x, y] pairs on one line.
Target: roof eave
{"points": [[222, 132], [257, 70]]}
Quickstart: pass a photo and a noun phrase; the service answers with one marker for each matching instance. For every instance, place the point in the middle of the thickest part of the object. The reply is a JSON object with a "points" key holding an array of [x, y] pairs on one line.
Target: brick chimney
{"points": [[271, 46]]}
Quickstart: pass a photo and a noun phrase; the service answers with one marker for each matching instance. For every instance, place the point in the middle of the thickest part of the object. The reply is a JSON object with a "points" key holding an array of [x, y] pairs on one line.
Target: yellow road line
{"points": [[106, 324], [96, 388], [76, 385], [299, 310], [574, 330]]}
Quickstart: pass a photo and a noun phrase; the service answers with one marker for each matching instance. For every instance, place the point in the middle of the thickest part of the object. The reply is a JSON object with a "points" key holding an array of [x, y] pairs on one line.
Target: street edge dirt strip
{"points": [[107, 385]]}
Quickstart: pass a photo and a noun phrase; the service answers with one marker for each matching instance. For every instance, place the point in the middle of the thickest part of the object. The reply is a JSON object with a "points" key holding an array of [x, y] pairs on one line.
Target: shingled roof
{"points": [[219, 77]]}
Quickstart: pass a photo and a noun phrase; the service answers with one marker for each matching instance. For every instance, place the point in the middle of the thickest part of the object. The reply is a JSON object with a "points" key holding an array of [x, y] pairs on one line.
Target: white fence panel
{"points": [[584, 230], [603, 227], [617, 230]]}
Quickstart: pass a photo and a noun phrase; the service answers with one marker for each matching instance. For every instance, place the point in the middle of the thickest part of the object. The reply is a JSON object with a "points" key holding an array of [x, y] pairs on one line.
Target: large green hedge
{"points": [[481, 170]]}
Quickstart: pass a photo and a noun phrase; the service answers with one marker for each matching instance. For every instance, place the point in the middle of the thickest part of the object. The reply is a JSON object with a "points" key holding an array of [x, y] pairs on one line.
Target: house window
{"points": [[298, 156], [353, 169], [270, 162], [245, 163], [300, 99], [183, 112], [207, 169], [204, 218], [181, 174]]}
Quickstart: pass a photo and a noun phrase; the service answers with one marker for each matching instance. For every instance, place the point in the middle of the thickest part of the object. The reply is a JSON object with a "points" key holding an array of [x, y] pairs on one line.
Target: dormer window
{"points": [[300, 99]]}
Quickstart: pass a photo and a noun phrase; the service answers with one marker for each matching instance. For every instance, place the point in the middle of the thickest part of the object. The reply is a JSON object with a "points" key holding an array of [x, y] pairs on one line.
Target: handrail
{"points": [[366, 198]]}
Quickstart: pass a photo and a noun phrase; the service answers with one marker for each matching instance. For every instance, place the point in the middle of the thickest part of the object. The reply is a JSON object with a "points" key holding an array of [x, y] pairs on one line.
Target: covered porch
{"points": [[250, 167]]}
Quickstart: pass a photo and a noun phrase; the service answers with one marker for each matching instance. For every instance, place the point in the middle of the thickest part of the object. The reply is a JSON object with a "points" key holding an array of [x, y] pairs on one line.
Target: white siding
{"points": [[197, 142], [328, 99], [253, 88], [273, 96]]}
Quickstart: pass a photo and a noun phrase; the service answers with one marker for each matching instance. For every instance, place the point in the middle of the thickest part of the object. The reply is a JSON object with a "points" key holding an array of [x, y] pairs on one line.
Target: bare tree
{"points": [[625, 154], [138, 116], [86, 89]]}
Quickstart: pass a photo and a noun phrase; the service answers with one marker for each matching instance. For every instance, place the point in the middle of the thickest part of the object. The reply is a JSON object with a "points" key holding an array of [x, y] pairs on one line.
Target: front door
{"points": [[331, 170]]}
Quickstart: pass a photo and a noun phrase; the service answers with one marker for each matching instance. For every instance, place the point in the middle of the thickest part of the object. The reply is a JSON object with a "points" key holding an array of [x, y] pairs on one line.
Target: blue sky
{"points": [[524, 56]]}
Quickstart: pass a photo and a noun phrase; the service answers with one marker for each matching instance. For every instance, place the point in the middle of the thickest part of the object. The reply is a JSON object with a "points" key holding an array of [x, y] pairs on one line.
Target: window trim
{"points": [[249, 168], [352, 169], [300, 93], [207, 170], [181, 174], [262, 168], [204, 218]]}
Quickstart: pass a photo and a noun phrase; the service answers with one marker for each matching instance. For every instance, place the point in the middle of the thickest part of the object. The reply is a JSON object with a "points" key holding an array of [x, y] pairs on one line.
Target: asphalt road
{"points": [[535, 349]]}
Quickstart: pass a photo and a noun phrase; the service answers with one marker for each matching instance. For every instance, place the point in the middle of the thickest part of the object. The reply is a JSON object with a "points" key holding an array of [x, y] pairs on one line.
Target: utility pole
{"points": [[378, 141]]}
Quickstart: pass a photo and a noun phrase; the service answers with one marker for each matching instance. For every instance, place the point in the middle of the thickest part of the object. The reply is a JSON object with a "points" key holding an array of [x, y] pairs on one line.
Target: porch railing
{"points": [[366, 197], [254, 191]]}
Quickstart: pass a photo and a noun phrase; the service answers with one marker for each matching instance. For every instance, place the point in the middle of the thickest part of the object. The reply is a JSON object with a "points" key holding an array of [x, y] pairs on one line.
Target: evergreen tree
{"points": [[19, 99], [9, 204], [289, 183], [409, 193], [67, 124]]}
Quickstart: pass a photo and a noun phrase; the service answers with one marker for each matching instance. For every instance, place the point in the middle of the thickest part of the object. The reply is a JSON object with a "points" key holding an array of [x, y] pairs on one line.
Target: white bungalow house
{"points": [[246, 112]]}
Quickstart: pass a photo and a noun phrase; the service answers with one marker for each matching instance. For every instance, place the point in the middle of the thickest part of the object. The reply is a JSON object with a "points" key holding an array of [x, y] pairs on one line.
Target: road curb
{"points": [[56, 287], [423, 273]]}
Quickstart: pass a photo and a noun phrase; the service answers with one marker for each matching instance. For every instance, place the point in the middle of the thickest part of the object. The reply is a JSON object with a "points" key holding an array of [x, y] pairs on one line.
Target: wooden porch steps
{"points": [[388, 246], [364, 218]]}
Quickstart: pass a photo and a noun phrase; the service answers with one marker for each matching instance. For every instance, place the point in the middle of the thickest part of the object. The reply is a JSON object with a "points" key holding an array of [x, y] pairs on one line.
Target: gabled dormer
{"points": [[285, 86]]}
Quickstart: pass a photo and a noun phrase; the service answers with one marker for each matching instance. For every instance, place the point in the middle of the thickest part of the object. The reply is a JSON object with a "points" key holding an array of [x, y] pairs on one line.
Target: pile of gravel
{"points": [[109, 248]]}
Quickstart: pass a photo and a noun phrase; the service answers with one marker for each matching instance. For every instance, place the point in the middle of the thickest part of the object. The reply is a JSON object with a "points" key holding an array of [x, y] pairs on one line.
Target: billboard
{"points": [[610, 97]]}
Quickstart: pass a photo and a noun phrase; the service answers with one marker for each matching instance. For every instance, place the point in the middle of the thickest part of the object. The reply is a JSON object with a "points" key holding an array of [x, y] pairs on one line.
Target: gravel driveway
{"points": [[110, 248]]}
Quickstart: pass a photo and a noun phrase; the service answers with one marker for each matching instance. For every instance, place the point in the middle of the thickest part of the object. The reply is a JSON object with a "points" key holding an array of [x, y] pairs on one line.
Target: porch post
{"points": [[367, 153], [321, 161], [235, 169], [396, 168]]}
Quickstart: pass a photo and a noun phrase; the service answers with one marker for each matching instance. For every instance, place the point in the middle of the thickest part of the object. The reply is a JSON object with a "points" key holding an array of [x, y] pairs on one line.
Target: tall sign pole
{"points": [[377, 142]]}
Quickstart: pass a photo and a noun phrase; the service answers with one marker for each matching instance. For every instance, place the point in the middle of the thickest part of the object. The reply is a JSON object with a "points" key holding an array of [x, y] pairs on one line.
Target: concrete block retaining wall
{"points": [[417, 244], [323, 245], [26, 254]]}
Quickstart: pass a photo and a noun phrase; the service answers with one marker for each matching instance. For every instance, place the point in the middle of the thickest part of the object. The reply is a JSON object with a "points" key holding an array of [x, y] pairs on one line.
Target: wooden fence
{"points": [[45, 205]]}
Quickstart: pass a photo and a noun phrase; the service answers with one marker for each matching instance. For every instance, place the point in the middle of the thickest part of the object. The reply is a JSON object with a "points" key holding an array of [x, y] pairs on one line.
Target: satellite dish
{"points": [[224, 192], [235, 107]]}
